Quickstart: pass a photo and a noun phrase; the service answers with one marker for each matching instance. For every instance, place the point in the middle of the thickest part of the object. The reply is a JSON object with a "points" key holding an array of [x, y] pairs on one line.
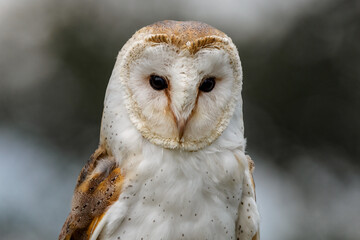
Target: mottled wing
{"points": [[98, 187], [248, 221]]}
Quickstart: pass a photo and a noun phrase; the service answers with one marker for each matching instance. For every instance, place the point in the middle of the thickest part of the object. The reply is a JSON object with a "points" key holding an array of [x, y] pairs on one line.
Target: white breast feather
{"points": [[177, 194]]}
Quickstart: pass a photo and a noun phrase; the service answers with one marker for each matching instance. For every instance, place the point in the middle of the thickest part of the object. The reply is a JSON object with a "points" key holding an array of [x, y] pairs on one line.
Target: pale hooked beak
{"points": [[182, 109], [181, 127]]}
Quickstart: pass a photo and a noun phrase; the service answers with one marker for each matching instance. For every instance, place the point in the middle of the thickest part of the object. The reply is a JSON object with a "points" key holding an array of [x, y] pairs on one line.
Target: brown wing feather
{"points": [[251, 168], [98, 186], [256, 237]]}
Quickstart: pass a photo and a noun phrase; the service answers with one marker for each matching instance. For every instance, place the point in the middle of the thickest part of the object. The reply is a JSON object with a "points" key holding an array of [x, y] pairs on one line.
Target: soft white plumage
{"points": [[193, 185]]}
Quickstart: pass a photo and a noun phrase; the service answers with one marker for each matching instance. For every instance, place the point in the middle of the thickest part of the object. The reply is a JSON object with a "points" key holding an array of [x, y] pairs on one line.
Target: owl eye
{"points": [[157, 82], [207, 85]]}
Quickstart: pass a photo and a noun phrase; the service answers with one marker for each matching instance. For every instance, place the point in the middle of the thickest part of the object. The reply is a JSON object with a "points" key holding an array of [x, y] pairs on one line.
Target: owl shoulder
{"points": [[98, 186]]}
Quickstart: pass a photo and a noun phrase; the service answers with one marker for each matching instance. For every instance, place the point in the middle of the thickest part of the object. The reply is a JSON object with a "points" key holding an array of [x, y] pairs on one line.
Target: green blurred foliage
{"points": [[306, 87]]}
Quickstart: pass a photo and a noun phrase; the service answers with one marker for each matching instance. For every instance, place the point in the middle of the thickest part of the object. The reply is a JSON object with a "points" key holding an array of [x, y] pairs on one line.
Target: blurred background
{"points": [[301, 61]]}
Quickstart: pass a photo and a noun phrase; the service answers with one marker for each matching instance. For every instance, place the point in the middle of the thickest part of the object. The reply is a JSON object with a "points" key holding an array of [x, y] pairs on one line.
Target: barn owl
{"points": [[170, 162]]}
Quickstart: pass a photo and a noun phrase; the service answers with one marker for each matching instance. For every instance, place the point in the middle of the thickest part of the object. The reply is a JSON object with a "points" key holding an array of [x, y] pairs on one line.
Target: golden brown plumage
{"points": [[98, 186]]}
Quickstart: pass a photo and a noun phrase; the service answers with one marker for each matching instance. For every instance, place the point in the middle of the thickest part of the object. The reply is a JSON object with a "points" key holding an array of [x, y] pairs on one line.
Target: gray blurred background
{"points": [[301, 61]]}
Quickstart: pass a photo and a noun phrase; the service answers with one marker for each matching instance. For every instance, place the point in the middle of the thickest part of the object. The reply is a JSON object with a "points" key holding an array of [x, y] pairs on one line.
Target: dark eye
{"points": [[207, 85], [157, 82]]}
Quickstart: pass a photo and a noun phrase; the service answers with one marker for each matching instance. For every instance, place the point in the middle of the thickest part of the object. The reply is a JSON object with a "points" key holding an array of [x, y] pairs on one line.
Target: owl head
{"points": [[176, 83]]}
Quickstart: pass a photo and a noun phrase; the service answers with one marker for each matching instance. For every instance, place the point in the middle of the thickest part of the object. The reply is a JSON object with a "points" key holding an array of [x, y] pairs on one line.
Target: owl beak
{"points": [[182, 108], [181, 127]]}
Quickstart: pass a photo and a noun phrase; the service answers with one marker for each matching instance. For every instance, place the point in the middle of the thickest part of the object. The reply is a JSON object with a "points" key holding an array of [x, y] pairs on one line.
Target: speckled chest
{"points": [[177, 198]]}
